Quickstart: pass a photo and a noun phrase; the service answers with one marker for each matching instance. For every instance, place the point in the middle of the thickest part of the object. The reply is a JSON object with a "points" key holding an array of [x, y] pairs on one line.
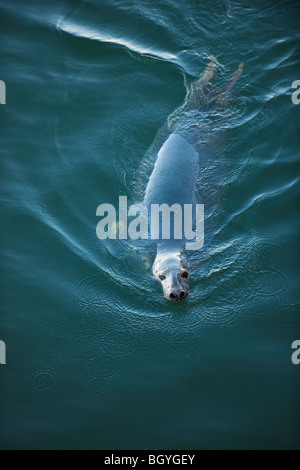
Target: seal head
{"points": [[171, 271]]}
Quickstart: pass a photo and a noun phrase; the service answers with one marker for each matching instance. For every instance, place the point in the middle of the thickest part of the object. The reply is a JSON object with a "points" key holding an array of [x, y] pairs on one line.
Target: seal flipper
{"points": [[208, 74], [234, 78], [196, 93], [226, 93]]}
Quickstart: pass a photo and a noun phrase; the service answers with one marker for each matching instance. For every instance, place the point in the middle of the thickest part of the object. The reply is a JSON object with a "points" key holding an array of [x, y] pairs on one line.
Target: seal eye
{"points": [[185, 274], [162, 277]]}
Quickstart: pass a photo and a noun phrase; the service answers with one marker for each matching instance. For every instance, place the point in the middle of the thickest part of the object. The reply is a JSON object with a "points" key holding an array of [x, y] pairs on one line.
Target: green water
{"points": [[96, 357]]}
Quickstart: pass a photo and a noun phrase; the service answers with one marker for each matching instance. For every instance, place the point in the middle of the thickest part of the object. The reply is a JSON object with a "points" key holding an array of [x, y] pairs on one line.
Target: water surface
{"points": [[96, 357]]}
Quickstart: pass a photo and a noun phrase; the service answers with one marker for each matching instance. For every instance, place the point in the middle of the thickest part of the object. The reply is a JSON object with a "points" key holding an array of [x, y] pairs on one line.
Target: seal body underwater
{"points": [[175, 173]]}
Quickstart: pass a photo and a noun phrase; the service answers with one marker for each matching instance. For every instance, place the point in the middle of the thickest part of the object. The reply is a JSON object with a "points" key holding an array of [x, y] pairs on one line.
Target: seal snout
{"points": [[176, 289], [177, 295]]}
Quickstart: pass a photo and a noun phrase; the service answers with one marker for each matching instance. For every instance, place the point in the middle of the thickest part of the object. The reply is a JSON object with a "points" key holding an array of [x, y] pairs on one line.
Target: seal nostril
{"points": [[181, 294], [172, 296]]}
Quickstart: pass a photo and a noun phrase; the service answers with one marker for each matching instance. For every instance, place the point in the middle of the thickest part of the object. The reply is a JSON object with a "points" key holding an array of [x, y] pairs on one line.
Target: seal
{"points": [[186, 137]]}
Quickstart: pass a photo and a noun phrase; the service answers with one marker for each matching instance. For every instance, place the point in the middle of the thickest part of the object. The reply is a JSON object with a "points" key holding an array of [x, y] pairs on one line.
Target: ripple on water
{"points": [[43, 381], [266, 283], [115, 343], [85, 345], [249, 275], [104, 366], [71, 408], [75, 29], [149, 342], [220, 313], [46, 361], [25, 372], [265, 338], [29, 374], [98, 385], [271, 252], [288, 315], [87, 289], [12, 309], [186, 342], [295, 291]]}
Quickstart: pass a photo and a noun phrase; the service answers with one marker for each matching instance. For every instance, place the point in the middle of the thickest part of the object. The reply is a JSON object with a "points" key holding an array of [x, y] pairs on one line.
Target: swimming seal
{"points": [[174, 176]]}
